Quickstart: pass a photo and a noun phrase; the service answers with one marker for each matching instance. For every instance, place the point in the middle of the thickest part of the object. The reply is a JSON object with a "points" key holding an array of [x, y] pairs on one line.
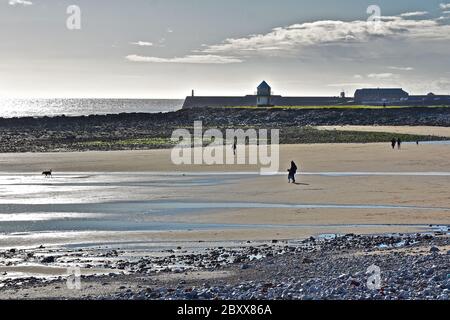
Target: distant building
{"points": [[380, 96], [263, 98], [369, 96], [263, 95]]}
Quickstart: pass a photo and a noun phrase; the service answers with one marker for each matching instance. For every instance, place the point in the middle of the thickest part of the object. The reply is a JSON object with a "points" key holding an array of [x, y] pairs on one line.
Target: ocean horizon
{"points": [[11, 108]]}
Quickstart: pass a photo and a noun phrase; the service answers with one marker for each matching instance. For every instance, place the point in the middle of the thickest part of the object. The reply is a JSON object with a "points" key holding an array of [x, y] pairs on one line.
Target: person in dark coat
{"points": [[399, 143], [292, 171], [393, 143]]}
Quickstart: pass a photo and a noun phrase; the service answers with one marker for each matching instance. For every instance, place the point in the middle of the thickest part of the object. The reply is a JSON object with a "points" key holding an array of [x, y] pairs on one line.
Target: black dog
{"points": [[47, 173]]}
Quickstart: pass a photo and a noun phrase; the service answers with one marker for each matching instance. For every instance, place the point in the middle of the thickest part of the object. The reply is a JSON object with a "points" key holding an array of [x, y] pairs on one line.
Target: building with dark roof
{"points": [[263, 95], [380, 95]]}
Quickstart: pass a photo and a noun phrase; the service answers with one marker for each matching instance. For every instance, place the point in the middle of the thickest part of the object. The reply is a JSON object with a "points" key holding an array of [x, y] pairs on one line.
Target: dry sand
{"points": [[319, 157], [427, 131]]}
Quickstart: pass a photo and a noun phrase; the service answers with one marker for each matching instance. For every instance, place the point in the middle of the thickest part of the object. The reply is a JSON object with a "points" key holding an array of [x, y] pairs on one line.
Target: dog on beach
{"points": [[47, 173]]}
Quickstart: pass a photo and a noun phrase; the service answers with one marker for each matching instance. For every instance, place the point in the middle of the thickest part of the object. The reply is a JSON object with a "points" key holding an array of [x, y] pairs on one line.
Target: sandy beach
{"points": [[362, 188]]}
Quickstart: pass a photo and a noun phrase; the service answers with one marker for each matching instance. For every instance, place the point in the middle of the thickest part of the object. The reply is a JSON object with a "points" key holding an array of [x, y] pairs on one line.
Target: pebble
{"points": [[286, 274]]}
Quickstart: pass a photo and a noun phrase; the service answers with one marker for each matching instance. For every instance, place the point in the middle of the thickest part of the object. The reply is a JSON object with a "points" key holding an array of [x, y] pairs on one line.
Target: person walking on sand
{"points": [[393, 143], [399, 143], [292, 171]]}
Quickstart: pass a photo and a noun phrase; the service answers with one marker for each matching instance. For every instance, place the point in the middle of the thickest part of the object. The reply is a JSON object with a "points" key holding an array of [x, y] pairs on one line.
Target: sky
{"points": [[166, 48]]}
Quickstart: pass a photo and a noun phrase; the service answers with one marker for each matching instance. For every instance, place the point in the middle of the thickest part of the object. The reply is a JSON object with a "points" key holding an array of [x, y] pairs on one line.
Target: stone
{"points": [[49, 259], [355, 283], [434, 250], [307, 261]]}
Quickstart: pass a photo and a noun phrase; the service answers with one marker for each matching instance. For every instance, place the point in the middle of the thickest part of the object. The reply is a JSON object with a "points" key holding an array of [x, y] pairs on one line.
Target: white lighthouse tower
{"points": [[263, 96]]}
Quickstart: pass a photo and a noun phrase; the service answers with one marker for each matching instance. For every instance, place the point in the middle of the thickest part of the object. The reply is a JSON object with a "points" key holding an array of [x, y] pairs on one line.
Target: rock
{"points": [[434, 250], [49, 259], [404, 295], [245, 267], [307, 261], [355, 283]]}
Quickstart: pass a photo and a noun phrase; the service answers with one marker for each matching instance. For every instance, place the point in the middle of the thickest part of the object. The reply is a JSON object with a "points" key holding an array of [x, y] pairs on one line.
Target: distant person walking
{"points": [[292, 171], [234, 147], [399, 143], [393, 143]]}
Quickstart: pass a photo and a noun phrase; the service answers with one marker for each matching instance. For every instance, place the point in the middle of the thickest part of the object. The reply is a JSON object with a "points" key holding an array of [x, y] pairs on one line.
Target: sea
{"points": [[10, 108]]}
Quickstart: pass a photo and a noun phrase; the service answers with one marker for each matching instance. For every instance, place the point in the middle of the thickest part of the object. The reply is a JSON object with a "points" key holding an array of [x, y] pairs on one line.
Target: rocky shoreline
{"points": [[329, 268], [152, 131]]}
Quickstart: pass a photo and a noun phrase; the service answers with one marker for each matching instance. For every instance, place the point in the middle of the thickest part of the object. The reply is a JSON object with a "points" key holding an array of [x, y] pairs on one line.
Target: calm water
{"points": [[75, 107]]}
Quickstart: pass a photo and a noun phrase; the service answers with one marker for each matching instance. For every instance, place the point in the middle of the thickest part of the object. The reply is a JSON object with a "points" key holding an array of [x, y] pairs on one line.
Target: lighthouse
{"points": [[263, 96]]}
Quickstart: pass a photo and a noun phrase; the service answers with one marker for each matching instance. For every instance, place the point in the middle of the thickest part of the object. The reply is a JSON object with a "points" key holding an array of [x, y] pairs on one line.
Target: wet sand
{"points": [[423, 186], [198, 238]]}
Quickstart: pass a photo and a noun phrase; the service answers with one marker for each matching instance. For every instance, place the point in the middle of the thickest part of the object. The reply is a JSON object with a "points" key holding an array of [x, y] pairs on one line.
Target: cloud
{"points": [[444, 6], [348, 40], [350, 84], [442, 18], [189, 59], [294, 38], [142, 43], [380, 75], [20, 2], [414, 14], [401, 68]]}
